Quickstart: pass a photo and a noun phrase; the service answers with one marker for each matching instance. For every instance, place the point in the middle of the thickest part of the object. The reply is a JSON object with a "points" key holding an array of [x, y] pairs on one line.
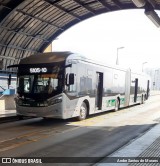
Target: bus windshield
{"points": [[36, 84]]}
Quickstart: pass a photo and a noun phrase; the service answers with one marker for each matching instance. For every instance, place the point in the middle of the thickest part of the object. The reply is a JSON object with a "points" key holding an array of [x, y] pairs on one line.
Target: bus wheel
{"points": [[83, 112], [117, 104]]}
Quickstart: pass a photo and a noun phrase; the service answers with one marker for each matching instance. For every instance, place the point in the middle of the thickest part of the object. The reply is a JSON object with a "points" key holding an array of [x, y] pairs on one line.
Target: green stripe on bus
{"points": [[122, 100], [110, 103]]}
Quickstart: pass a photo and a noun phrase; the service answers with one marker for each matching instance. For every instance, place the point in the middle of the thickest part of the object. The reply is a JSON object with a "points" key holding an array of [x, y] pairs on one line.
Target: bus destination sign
{"points": [[38, 70]]}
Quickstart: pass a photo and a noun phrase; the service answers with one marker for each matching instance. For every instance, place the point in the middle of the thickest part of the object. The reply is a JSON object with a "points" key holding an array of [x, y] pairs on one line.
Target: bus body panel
{"points": [[127, 87]]}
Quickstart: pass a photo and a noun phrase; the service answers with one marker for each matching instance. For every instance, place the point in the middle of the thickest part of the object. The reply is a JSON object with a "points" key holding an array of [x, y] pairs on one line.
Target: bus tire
{"points": [[83, 112], [117, 105]]}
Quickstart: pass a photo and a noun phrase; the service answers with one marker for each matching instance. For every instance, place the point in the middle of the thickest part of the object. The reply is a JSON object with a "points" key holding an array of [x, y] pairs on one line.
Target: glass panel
{"points": [[35, 84], [46, 83], [25, 84]]}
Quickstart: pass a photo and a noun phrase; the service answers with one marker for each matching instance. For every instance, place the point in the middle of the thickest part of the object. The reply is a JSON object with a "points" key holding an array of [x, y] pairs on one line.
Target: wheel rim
{"points": [[83, 112]]}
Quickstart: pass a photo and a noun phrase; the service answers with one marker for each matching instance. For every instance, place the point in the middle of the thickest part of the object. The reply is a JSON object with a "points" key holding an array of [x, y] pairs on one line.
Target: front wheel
{"points": [[83, 112]]}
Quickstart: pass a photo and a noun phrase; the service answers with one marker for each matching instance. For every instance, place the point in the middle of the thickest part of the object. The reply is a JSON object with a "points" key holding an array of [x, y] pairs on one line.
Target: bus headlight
{"points": [[55, 101]]}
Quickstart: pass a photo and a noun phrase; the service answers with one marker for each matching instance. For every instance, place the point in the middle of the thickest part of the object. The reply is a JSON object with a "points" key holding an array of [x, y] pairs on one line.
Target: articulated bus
{"points": [[65, 85]]}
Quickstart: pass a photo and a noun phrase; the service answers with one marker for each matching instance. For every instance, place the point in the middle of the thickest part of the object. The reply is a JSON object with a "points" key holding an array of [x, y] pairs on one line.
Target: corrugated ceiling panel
{"points": [[68, 4], [96, 6], [28, 26], [81, 11]]}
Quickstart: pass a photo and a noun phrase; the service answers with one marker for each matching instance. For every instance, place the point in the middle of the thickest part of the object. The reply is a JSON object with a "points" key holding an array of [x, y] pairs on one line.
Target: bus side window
{"points": [[82, 84]]}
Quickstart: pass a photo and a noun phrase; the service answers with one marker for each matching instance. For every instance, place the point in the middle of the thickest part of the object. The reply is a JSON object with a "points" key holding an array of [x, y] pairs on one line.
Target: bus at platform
{"points": [[65, 85]]}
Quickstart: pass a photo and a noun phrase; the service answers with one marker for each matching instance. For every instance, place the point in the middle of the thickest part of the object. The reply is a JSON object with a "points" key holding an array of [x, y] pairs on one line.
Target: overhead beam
{"points": [[84, 6], [5, 6], [10, 6], [24, 33], [37, 18], [152, 2], [62, 9], [105, 4], [139, 3], [117, 3], [19, 48], [151, 14], [7, 57]]}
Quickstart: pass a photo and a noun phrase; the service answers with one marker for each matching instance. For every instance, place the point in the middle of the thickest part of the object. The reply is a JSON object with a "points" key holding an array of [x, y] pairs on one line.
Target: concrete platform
{"points": [[144, 150], [8, 115]]}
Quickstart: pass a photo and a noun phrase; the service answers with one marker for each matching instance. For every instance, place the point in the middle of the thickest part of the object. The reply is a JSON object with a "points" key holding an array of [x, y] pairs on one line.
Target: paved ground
{"points": [[107, 134]]}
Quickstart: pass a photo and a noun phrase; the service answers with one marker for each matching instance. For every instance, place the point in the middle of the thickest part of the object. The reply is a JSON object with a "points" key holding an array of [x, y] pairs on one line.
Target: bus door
{"points": [[148, 84], [136, 90], [99, 94], [127, 87]]}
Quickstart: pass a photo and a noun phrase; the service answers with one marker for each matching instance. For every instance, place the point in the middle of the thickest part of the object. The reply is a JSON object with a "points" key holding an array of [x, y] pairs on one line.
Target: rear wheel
{"points": [[83, 112]]}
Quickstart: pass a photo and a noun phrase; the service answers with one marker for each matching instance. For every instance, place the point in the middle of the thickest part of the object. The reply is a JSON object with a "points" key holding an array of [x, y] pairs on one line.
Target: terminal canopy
{"points": [[29, 26]]}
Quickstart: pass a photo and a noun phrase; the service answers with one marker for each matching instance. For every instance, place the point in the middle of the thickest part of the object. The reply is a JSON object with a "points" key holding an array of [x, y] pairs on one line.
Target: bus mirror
{"points": [[71, 79]]}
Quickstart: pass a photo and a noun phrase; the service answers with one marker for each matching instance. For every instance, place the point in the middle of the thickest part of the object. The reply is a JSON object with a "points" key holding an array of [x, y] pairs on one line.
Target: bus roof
{"points": [[45, 58]]}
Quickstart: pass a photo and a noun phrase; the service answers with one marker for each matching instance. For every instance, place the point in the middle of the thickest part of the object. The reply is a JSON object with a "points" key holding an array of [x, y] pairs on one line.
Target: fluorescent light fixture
{"points": [[139, 3], [5, 57], [153, 16]]}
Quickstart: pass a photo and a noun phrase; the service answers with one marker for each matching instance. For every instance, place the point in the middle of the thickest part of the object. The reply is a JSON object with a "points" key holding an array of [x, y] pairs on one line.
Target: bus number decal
{"points": [[38, 70]]}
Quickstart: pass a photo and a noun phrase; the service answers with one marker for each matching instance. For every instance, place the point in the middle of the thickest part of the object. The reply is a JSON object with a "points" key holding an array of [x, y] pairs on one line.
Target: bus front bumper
{"points": [[53, 111]]}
